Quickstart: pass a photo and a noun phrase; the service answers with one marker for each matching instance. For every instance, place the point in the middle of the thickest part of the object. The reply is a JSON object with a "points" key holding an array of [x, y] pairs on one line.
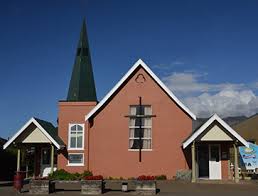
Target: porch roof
{"points": [[45, 127], [205, 125]]}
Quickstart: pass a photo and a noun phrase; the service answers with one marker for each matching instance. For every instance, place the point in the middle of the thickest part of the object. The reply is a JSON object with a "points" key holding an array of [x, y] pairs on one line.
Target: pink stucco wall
{"points": [[72, 112], [108, 147]]}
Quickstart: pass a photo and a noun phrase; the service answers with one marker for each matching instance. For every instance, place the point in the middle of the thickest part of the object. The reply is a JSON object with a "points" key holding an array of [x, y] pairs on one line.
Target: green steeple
{"points": [[82, 86]]}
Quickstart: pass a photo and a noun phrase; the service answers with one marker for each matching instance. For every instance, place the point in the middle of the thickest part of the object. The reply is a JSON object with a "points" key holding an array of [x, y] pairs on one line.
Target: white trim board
{"points": [[126, 76], [32, 120], [207, 124]]}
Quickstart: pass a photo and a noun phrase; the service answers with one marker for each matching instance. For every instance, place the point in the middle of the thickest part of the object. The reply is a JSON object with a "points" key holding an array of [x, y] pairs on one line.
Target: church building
{"points": [[139, 128]]}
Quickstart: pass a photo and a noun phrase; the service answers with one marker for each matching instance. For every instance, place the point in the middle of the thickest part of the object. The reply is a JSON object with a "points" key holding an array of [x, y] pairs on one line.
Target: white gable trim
{"points": [[207, 124], [32, 120], [123, 79]]}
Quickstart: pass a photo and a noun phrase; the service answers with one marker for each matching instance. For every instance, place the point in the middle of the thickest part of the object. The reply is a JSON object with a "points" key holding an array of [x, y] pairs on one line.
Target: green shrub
{"points": [[161, 177], [64, 175], [87, 173], [76, 176], [60, 175]]}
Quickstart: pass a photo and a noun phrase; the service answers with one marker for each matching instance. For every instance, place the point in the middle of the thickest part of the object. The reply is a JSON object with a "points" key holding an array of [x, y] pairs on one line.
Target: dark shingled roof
{"points": [[51, 130], [82, 85]]}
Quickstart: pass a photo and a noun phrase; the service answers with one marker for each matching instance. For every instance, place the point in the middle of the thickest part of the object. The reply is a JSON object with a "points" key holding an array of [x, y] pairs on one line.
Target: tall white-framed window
{"points": [[75, 159], [134, 127], [76, 137]]}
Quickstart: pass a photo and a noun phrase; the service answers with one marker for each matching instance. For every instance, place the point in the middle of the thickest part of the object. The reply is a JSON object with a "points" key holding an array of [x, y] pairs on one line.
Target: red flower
{"points": [[99, 177], [143, 177]]}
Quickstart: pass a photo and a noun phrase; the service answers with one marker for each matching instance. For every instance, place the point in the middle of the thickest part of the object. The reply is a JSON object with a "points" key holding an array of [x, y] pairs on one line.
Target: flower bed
{"points": [[64, 175], [41, 186], [145, 185], [92, 185], [143, 177]]}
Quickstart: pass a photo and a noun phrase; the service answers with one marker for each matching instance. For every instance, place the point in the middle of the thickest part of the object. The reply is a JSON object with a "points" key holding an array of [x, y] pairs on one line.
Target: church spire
{"points": [[82, 85]]}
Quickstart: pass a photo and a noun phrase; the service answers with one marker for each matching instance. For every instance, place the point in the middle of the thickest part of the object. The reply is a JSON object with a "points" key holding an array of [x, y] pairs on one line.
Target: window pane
{"points": [[214, 153], [75, 158], [73, 128], [147, 110], [135, 144], [130, 143], [131, 133], [79, 127], [135, 133], [147, 133], [132, 122], [79, 141], [146, 122], [132, 110], [138, 132], [46, 156], [139, 110], [146, 144], [138, 122], [73, 142]]}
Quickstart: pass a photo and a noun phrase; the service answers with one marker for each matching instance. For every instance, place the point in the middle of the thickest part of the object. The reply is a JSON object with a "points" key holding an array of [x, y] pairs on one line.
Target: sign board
{"points": [[249, 156]]}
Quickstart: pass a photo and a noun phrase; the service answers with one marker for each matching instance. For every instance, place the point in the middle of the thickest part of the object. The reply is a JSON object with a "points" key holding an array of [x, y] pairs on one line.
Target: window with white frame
{"points": [[76, 159], [76, 136], [140, 127]]}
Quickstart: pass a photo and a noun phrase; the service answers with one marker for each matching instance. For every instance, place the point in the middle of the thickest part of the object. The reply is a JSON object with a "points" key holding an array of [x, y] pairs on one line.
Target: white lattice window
{"points": [[140, 127], [76, 136]]}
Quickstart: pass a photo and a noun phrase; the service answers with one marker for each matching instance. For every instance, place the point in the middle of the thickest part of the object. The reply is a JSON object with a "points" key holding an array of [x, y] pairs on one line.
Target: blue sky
{"points": [[205, 51]]}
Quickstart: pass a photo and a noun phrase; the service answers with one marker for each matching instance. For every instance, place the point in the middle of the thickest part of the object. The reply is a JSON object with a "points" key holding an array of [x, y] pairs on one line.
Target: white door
{"points": [[214, 162]]}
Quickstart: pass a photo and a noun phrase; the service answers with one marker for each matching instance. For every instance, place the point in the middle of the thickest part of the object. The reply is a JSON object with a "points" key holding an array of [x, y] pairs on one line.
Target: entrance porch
{"points": [[37, 144], [210, 150], [36, 160], [213, 160]]}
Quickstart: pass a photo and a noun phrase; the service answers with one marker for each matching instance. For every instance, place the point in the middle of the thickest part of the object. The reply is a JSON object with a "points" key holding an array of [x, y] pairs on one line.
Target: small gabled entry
{"points": [[210, 150], [38, 140]]}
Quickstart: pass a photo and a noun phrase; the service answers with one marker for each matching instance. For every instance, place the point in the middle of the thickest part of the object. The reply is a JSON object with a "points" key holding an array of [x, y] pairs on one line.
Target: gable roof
{"points": [[205, 125], [126, 76], [51, 130], [45, 127]]}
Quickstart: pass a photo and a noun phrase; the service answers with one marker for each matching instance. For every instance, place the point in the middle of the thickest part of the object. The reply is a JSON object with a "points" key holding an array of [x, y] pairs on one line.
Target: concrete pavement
{"points": [[164, 188]]}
